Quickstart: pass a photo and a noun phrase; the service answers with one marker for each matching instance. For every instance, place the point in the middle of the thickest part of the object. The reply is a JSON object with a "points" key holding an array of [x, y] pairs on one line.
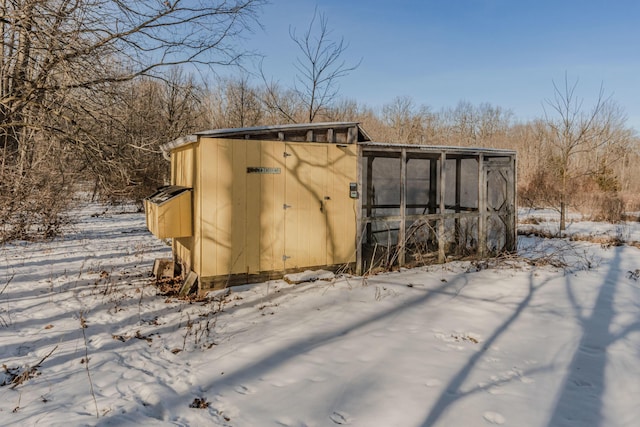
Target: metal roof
{"points": [[363, 139], [281, 128], [438, 148], [264, 132], [166, 193]]}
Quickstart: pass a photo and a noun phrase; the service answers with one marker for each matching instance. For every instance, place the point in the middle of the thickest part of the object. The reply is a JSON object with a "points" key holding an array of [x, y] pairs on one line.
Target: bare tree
{"points": [[406, 122], [63, 60], [234, 102], [181, 106], [146, 112], [344, 110], [320, 66], [574, 132], [280, 104], [471, 125], [51, 48]]}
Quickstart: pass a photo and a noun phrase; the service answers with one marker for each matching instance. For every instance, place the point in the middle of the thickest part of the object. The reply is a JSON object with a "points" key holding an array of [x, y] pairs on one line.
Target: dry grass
{"points": [[199, 403], [603, 240], [17, 376], [530, 220]]}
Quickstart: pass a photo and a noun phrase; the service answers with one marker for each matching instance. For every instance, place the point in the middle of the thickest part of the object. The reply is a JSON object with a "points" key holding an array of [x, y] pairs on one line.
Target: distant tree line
{"points": [[89, 90]]}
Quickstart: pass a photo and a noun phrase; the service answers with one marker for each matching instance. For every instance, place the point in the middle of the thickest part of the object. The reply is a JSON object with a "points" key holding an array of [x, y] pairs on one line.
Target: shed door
{"points": [[306, 198], [500, 205]]}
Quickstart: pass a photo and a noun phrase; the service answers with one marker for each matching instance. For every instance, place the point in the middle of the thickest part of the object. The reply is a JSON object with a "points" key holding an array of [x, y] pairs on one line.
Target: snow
{"points": [[506, 342], [547, 220], [309, 276]]}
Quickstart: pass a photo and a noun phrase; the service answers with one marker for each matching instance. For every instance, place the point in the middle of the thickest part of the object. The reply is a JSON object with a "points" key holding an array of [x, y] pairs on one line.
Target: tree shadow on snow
{"points": [[452, 391], [283, 355], [580, 399]]}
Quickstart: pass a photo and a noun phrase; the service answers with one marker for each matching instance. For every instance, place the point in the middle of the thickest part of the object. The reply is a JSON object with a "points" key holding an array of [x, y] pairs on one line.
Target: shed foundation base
{"points": [[220, 282]]}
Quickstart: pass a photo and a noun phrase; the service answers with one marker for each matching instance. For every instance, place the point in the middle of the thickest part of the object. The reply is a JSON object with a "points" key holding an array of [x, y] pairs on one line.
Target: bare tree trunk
{"points": [[319, 67], [575, 133]]}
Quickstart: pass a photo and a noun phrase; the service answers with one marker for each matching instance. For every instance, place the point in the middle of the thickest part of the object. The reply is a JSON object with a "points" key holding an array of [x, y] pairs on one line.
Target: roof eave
{"points": [[438, 148], [167, 147], [247, 131]]}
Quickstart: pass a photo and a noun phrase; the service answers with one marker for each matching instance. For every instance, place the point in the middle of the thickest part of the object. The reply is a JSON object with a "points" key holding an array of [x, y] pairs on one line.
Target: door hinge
{"points": [[285, 206], [285, 154], [284, 257]]}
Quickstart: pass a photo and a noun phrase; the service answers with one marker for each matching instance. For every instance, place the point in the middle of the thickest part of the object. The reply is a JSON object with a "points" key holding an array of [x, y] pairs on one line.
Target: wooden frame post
{"points": [[433, 185], [458, 199], [359, 222], [482, 207], [441, 226], [403, 204], [514, 193]]}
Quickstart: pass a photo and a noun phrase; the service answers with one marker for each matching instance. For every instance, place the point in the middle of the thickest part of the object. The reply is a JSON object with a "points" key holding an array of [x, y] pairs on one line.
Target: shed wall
{"points": [[184, 164], [274, 206], [320, 220], [342, 209], [240, 210]]}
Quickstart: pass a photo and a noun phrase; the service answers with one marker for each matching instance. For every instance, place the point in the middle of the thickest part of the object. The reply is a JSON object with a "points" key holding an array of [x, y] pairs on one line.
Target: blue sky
{"points": [[504, 52]]}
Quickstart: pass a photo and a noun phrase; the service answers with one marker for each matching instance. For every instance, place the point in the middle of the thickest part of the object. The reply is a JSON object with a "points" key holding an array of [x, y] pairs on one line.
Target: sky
{"points": [[507, 53]]}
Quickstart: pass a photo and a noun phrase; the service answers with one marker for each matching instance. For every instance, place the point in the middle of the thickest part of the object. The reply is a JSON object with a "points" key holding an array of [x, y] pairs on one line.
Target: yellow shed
{"points": [[265, 200], [268, 200]]}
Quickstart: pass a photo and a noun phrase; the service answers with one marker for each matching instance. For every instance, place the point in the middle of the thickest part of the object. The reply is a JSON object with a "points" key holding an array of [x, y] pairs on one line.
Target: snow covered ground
{"points": [[547, 220], [462, 344]]}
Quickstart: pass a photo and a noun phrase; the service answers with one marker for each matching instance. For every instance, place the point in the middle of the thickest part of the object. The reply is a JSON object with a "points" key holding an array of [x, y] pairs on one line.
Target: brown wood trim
{"points": [[221, 282]]}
